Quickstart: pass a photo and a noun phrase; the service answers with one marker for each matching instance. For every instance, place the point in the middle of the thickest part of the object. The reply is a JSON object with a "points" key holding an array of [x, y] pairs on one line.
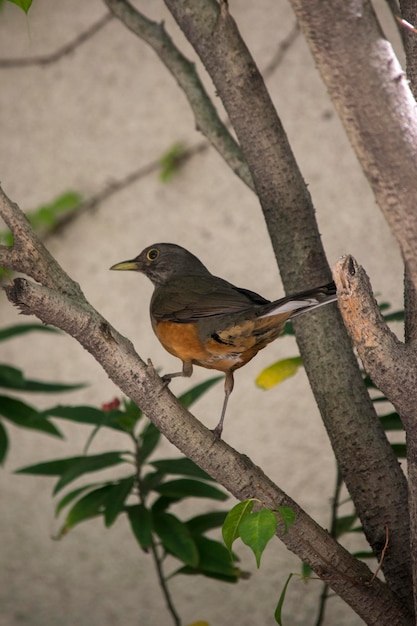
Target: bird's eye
{"points": [[152, 254]]}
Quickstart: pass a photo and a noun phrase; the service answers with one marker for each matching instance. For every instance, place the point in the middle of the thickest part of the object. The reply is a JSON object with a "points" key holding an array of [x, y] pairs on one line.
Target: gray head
{"points": [[162, 261]]}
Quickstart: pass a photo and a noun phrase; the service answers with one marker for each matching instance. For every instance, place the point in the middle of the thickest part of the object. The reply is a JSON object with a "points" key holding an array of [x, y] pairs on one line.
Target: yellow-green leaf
{"points": [[278, 372]]}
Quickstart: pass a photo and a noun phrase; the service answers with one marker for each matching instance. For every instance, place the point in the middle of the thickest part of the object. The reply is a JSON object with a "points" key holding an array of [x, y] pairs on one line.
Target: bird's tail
{"points": [[301, 302]]}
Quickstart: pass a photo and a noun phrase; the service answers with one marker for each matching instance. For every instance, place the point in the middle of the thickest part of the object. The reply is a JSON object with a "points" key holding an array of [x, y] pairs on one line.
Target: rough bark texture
{"points": [[391, 364], [69, 310], [364, 456]]}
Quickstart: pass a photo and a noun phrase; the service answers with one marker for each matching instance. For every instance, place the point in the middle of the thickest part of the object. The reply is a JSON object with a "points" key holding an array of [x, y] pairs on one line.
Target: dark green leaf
{"points": [[364, 555], [130, 415], [149, 436], [181, 466], [50, 468], [192, 395], [202, 523], [13, 378], [391, 422], [140, 519], [230, 530], [72, 495], [4, 443], [87, 415], [396, 316], [90, 505], [116, 499], [214, 558], [22, 329], [176, 538], [23, 415], [344, 524], [278, 610], [163, 503], [256, 530], [186, 488], [150, 481], [86, 464], [400, 450]]}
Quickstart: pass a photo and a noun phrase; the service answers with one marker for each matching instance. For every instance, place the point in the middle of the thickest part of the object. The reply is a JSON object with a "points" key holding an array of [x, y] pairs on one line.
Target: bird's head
{"points": [[162, 261]]}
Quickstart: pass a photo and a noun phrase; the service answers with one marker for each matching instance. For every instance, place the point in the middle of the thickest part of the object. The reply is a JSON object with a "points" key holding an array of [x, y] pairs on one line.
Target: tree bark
{"points": [[67, 309], [369, 467]]}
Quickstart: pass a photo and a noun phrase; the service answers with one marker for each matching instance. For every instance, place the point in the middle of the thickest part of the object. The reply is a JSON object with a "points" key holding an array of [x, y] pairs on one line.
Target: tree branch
{"points": [[184, 72], [358, 440], [371, 94], [391, 364], [48, 59], [69, 311]]}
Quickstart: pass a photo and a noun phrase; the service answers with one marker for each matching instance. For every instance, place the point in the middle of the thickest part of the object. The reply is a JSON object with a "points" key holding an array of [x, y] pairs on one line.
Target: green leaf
{"points": [[306, 571], [391, 421], [215, 558], [192, 395], [150, 437], [72, 495], [87, 415], [287, 516], [23, 4], [176, 538], [181, 466], [4, 443], [50, 468], [86, 464], [163, 503], [140, 519], [278, 372], [13, 378], [344, 524], [130, 416], [230, 530], [278, 610], [22, 329], [256, 530], [150, 481], [116, 499], [170, 162], [400, 450], [23, 415], [396, 316], [47, 215], [207, 521], [186, 488], [90, 505]]}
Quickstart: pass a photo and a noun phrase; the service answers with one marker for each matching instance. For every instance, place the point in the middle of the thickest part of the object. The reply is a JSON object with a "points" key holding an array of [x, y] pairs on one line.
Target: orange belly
{"points": [[184, 342]]}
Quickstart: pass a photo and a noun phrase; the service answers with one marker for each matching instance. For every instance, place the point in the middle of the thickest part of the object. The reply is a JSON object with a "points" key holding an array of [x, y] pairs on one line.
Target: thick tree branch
{"points": [[184, 72], [359, 442], [391, 364], [67, 309], [371, 94]]}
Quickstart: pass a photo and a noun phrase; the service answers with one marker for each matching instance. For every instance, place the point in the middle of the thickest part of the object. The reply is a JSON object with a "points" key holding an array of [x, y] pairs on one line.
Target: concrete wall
{"points": [[105, 110]]}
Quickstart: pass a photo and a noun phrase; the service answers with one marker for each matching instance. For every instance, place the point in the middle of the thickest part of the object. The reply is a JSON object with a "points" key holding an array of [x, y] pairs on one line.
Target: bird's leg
{"points": [[187, 370], [228, 388]]}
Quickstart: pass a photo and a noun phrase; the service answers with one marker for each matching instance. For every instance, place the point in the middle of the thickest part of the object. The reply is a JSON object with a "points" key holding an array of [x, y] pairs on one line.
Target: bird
{"points": [[207, 321]]}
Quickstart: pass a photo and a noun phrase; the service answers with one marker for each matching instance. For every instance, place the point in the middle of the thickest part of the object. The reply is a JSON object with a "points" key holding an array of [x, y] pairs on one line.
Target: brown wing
{"points": [[190, 298]]}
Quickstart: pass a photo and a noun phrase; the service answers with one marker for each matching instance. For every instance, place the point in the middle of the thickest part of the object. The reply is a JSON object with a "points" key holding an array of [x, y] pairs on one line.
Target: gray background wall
{"points": [[109, 108]]}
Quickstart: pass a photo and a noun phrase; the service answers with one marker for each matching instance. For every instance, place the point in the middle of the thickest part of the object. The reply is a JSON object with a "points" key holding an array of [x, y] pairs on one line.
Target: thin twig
{"points": [[47, 59], [185, 73], [154, 549]]}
